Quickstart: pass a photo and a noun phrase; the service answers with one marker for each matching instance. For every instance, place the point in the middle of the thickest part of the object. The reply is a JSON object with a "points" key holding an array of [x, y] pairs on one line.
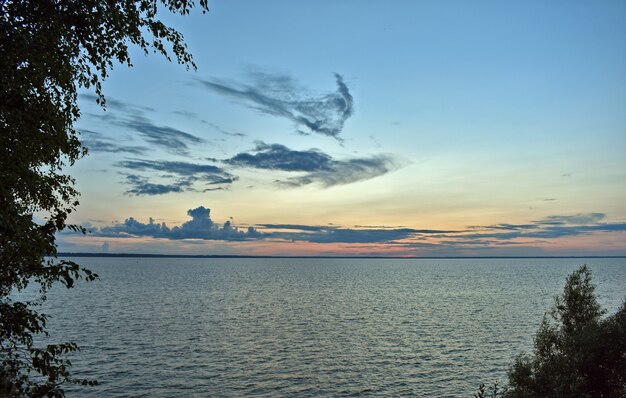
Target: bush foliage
{"points": [[577, 353]]}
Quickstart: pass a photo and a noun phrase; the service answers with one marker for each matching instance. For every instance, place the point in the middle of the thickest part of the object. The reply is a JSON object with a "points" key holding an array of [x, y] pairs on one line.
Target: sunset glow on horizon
{"points": [[364, 129]]}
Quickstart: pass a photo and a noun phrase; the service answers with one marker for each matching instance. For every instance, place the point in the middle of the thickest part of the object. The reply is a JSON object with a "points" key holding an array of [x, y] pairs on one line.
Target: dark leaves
{"points": [[49, 49], [577, 353]]}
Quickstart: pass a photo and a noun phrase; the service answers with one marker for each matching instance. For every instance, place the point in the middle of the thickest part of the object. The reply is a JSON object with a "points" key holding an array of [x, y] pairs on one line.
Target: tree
{"points": [[577, 352], [49, 49]]}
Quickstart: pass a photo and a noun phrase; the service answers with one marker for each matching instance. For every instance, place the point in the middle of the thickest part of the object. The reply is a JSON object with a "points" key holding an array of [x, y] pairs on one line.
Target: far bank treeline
{"points": [[578, 352]]}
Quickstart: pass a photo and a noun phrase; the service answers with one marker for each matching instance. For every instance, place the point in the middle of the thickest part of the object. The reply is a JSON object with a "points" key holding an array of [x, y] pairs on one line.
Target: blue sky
{"points": [[403, 128]]}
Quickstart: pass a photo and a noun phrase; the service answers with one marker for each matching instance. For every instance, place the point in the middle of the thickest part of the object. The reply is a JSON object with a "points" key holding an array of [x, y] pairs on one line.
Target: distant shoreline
{"points": [[131, 255]]}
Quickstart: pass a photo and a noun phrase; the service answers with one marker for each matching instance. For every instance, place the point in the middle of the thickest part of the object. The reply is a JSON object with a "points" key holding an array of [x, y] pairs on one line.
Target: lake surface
{"points": [[309, 327]]}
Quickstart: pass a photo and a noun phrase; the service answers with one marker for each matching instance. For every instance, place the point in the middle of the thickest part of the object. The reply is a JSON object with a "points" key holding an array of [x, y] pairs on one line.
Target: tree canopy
{"points": [[49, 50]]}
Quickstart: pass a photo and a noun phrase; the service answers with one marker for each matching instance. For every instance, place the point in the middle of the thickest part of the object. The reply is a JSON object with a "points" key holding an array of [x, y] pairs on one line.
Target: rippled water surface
{"points": [[308, 327]]}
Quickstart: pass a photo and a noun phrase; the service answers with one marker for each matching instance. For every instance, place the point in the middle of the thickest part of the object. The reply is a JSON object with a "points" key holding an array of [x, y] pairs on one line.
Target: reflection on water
{"points": [[308, 327]]}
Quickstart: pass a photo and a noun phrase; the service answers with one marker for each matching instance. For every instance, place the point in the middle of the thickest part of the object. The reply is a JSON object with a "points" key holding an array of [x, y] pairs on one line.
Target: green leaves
{"points": [[49, 49], [577, 353]]}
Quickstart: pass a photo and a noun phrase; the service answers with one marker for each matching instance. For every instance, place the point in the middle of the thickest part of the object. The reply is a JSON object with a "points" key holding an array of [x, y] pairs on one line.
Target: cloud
{"points": [[181, 176], [550, 227], [296, 227], [199, 227], [222, 131], [96, 142], [202, 227], [279, 95], [330, 234], [172, 140], [589, 218], [334, 234], [319, 167], [116, 104], [509, 227], [182, 168], [186, 114], [279, 157], [142, 186], [348, 171]]}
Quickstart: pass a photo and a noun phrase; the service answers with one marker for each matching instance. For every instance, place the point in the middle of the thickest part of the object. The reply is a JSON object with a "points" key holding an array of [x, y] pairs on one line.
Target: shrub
{"points": [[577, 352]]}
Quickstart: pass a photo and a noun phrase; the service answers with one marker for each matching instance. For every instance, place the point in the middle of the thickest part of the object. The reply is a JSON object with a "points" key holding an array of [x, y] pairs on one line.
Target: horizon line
{"points": [[155, 255]]}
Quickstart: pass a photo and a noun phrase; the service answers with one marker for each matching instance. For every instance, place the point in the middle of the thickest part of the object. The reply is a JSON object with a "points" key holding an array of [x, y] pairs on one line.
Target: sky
{"points": [[403, 128]]}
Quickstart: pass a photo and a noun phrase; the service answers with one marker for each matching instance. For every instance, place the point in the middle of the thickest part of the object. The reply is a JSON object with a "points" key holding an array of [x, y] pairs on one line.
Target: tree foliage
{"points": [[48, 50], [578, 353]]}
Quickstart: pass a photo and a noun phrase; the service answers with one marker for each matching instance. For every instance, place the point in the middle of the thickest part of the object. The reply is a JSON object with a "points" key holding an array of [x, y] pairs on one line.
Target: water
{"points": [[308, 327]]}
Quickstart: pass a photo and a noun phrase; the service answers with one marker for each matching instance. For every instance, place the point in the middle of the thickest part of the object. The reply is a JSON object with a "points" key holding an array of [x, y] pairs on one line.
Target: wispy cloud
{"points": [[97, 142], [171, 139], [222, 131], [186, 114], [280, 95], [318, 166], [116, 104], [588, 218], [508, 227], [334, 234], [550, 227], [181, 168], [182, 176], [133, 118]]}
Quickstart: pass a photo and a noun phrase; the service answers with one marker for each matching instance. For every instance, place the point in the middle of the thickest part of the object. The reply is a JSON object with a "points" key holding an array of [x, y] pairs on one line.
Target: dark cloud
{"points": [[96, 142], [142, 186], [303, 227], [296, 227], [346, 235], [279, 95], [182, 176], [333, 234], [319, 167], [349, 235], [279, 157]]}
